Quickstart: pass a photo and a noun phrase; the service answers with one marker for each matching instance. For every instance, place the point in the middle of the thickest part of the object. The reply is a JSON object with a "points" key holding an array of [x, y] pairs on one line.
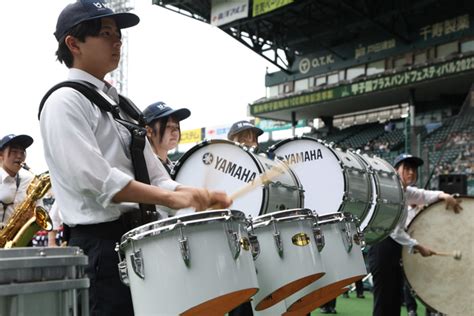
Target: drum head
{"points": [[318, 169], [226, 166], [222, 165], [333, 180], [442, 282]]}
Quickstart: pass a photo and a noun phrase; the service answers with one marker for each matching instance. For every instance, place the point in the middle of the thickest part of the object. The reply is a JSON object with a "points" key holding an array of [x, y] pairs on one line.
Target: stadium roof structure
{"points": [[286, 33]]}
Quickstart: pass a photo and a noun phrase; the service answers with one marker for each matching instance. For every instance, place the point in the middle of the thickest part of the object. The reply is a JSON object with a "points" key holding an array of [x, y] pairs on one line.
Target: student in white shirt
{"points": [[88, 154], [384, 257], [13, 180]]}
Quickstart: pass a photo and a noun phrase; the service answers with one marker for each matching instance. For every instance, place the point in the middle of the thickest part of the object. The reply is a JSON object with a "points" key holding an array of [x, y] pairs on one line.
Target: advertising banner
{"points": [[226, 11], [216, 132], [191, 136], [264, 6]]}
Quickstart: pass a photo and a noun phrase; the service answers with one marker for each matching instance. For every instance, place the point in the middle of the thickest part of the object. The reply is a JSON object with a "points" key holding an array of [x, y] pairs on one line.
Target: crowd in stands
{"points": [[463, 163], [450, 154], [377, 146]]}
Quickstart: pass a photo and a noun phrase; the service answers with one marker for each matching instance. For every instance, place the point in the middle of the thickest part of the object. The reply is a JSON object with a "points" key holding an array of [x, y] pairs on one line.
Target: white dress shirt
{"points": [[10, 194], [88, 156], [412, 196], [55, 216]]}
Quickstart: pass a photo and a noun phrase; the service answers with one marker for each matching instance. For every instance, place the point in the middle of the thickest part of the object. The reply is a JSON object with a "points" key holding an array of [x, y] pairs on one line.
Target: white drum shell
{"points": [[215, 165], [333, 180], [170, 287], [340, 264], [297, 262], [387, 200]]}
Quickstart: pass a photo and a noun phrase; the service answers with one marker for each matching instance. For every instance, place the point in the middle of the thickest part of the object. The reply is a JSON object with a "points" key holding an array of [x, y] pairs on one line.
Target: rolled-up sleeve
{"points": [[413, 196], [114, 183]]}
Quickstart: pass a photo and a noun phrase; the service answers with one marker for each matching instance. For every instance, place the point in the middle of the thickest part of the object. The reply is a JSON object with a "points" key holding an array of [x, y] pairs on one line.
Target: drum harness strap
{"points": [[147, 212]]}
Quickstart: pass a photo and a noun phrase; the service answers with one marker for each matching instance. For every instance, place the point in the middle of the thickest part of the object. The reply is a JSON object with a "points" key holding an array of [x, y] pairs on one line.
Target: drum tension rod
{"points": [[277, 237]]}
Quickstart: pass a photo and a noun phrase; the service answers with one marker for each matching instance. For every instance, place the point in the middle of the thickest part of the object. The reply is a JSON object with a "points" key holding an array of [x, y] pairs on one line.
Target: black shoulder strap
{"points": [[131, 110], [91, 92], [105, 103]]}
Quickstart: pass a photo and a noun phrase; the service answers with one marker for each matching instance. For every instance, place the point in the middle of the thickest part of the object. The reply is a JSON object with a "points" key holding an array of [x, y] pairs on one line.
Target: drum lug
{"points": [[253, 239], [359, 238], [255, 246], [277, 238], [318, 237], [346, 235], [346, 197], [122, 267], [138, 264], [233, 240], [184, 245]]}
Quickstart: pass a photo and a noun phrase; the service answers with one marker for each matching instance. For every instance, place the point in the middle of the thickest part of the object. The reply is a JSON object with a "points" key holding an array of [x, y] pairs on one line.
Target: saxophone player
{"points": [[13, 183]]}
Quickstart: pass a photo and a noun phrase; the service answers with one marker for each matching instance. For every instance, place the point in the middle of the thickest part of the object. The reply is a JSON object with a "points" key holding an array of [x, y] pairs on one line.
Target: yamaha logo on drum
{"points": [[303, 156], [228, 167], [207, 158]]}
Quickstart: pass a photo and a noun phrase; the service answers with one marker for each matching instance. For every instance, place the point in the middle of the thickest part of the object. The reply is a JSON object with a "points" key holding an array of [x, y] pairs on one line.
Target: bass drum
{"points": [[387, 200], [227, 166], [333, 180], [442, 282]]}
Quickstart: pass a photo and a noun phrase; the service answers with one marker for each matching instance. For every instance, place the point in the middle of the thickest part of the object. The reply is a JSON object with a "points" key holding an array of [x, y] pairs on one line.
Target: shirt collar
{"points": [[4, 175], [78, 74]]}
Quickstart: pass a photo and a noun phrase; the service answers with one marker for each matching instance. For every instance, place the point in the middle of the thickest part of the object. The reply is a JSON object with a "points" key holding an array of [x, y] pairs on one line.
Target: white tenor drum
{"points": [[342, 257], [43, 281], [195, 264], [387, 200], [226, 166], [444, 283], [333, 180], [289, 258]]}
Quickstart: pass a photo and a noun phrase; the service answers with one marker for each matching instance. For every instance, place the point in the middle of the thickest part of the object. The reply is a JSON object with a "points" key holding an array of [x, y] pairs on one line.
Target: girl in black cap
{"points": [[163, 130]]}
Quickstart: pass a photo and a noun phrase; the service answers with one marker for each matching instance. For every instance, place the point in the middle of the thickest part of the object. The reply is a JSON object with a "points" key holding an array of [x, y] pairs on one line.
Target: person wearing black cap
{"points": [[163, 130], [13, 183], [384, 257], [245, 133], [88, 153]]}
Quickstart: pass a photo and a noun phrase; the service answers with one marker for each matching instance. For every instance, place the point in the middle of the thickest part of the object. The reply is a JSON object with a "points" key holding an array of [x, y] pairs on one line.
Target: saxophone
{"points": [[27, 218]]}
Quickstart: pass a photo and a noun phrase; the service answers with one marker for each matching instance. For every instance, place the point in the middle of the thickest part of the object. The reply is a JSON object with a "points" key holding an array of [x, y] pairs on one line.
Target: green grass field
{"points": [[353, 306]]}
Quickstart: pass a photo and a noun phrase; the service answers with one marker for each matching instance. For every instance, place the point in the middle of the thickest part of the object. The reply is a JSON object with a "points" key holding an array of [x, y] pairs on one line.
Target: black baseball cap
{"points": [[413, 160], [241, 126], [23, 141], [86, 10], [160, 109]]}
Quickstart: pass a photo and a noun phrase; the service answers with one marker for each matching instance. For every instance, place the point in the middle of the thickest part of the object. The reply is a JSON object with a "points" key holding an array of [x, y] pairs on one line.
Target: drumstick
{"points": [[456, 254], [262, 179]]}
